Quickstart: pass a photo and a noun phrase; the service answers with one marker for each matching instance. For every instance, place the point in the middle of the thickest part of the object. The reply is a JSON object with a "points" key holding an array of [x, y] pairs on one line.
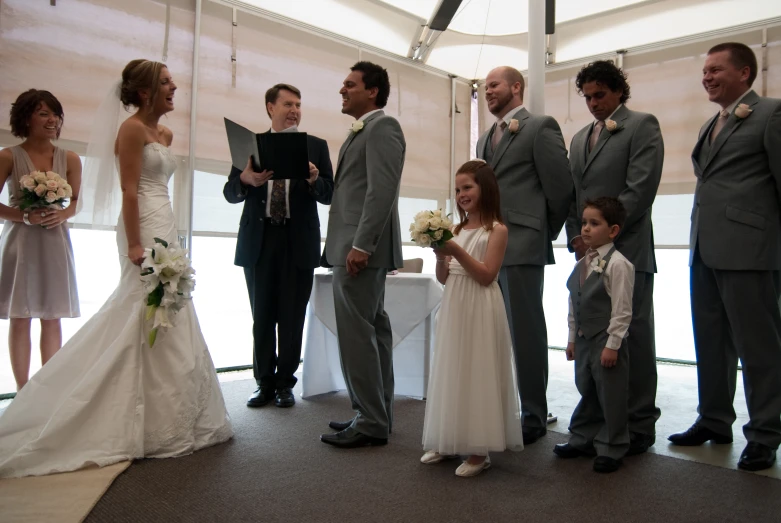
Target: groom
{"points": [[362, 244]]}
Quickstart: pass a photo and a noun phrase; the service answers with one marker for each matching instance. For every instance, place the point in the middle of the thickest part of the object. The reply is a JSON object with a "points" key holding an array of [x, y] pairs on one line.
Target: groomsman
{"points": [[363, 243], [528, 155], [279, 247], [620, 155], [736, 259]]}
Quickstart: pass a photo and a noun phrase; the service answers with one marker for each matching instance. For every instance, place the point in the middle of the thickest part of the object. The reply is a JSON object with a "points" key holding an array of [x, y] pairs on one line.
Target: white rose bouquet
{"points": [[44, 189], [168, 280], [431, 229]]}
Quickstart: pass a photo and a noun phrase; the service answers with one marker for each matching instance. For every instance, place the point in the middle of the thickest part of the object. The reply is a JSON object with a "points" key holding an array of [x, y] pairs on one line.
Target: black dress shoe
{"points": [[285, 398], [567, 451], [532, 435], [351, 438], [639, 443], [606, 465], [697, 435], [261, 397], [756, 456], [340, 425]]}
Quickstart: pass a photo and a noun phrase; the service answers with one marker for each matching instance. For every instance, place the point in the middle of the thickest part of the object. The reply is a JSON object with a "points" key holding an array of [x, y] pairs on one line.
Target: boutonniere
{"points": [[612, 126], [599, 266], [743, 111], [514, 126], [357, 126]]}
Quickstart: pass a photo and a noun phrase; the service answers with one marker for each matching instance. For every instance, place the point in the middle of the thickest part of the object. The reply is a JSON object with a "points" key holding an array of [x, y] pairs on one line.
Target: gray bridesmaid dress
{"points": [[37, 271]]}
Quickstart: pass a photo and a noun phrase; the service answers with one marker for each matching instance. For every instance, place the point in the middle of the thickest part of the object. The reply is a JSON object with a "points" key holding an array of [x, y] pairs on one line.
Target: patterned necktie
{"points": [[278, 205], [723, 115], [590, 255], [595, 132], [498, 133]]}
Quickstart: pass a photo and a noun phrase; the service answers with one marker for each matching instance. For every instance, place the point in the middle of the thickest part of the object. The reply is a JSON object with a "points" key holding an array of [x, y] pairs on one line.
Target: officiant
{"points": [[279, 247]]}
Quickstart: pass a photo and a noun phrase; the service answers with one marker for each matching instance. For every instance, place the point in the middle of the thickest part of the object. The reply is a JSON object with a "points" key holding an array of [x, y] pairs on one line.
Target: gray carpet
{"points": [[275, 469]]}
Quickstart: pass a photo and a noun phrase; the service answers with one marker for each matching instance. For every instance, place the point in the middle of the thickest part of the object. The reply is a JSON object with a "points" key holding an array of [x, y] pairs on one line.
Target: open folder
{"points": [[285, 153]]}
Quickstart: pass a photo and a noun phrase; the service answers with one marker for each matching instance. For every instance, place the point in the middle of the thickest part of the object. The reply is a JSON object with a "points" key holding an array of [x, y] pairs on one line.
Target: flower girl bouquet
{"points": [[430, 229], [168, 280], [44, 189]]}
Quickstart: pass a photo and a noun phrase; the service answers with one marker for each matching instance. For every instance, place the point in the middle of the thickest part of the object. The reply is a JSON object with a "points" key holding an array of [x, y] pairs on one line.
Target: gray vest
{"points": [[591, 303]]}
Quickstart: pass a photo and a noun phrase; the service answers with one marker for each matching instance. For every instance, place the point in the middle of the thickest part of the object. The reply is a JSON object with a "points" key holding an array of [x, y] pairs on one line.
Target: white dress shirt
{"points": [[510, 115], [619, 281], [270, 185], [606, 119], [731, 107]]}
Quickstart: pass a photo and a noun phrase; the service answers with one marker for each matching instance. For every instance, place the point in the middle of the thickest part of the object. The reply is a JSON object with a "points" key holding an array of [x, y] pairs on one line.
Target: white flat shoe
{"points": [[465, 470], [431, 457]]}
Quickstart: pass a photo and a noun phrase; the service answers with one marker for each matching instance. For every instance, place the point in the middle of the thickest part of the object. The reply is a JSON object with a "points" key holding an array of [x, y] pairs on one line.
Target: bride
{"points": [[106, 396]]}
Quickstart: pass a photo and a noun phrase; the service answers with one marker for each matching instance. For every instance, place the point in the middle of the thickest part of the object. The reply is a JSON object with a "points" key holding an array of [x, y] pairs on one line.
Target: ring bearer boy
{"points": [[600, 309]]}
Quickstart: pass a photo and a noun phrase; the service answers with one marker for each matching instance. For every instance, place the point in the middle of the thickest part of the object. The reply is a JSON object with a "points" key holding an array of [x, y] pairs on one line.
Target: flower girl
{"points": [[473, 405]]}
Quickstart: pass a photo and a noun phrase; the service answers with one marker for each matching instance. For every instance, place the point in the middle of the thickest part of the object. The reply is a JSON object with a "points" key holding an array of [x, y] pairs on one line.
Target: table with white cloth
{"points": [[411, 301]]}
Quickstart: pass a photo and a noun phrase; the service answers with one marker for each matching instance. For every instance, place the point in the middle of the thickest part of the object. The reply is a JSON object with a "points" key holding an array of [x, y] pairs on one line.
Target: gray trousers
{"points": [[522, 290], [735, 314], [641, 341], [365, 347], [601, 417]]}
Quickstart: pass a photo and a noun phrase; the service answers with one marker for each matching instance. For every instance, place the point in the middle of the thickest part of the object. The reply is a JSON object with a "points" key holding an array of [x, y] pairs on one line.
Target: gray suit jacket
{"points": [[625, 164], [364, 210], [736, 220], [535, 185]]}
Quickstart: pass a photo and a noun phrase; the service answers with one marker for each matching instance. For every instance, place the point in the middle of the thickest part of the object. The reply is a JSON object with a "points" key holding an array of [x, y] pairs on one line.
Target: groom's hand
{"points": [[356, 261], [252, 178]]}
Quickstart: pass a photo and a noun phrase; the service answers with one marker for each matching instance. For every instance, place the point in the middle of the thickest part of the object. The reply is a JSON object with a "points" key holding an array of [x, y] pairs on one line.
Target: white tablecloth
{"points": [[411, 301]]}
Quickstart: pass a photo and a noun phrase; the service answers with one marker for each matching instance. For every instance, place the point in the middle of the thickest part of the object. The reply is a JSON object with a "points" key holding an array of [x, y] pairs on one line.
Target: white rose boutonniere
{"points": [[743, 111], [599, 266], [611, 126], [357, 126], [514, 126]]}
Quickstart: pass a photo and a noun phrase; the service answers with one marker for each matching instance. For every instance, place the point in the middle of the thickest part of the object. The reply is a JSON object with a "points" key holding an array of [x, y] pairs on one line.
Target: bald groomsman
{"points": [[528, 155]]}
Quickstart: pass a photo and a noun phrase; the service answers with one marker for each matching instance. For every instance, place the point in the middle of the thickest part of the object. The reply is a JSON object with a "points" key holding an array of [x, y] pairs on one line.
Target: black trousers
{"points": [[278, 294]]}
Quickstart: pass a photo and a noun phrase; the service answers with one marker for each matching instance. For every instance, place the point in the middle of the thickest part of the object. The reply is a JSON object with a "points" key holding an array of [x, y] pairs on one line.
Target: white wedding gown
{"points": [[106, 396]]}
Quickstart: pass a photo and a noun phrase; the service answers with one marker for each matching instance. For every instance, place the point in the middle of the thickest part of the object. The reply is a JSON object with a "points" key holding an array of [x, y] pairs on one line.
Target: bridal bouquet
{"points": [[430, 229], [168, 280], [44, 189]]}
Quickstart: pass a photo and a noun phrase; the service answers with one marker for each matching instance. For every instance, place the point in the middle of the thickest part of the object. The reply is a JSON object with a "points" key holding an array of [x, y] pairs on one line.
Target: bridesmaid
{"points": [[37, 275]]}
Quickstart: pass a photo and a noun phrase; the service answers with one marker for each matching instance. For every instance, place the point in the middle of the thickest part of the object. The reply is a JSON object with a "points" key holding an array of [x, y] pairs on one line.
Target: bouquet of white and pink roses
{"points": [[44, 189], [431, 229], [168, 280]]}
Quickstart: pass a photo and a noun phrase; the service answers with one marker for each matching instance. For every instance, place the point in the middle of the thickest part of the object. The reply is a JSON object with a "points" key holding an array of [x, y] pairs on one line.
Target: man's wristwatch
{"points": [[26, 218]]}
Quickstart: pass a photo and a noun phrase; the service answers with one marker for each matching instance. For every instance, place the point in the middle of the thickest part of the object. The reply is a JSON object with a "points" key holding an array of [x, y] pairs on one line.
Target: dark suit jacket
{"points": [[303, 199]]}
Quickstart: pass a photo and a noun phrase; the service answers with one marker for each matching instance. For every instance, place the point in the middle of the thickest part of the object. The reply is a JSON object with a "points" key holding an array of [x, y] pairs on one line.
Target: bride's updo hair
{"points": [[137, 75]]}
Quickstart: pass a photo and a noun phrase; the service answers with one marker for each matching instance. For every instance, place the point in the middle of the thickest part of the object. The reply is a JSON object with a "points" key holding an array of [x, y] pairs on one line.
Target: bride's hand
{"points": [[136, 254]]}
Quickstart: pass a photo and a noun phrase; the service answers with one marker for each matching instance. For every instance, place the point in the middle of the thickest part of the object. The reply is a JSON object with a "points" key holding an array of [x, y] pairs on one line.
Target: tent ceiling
{"points": [[487, 33]]}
